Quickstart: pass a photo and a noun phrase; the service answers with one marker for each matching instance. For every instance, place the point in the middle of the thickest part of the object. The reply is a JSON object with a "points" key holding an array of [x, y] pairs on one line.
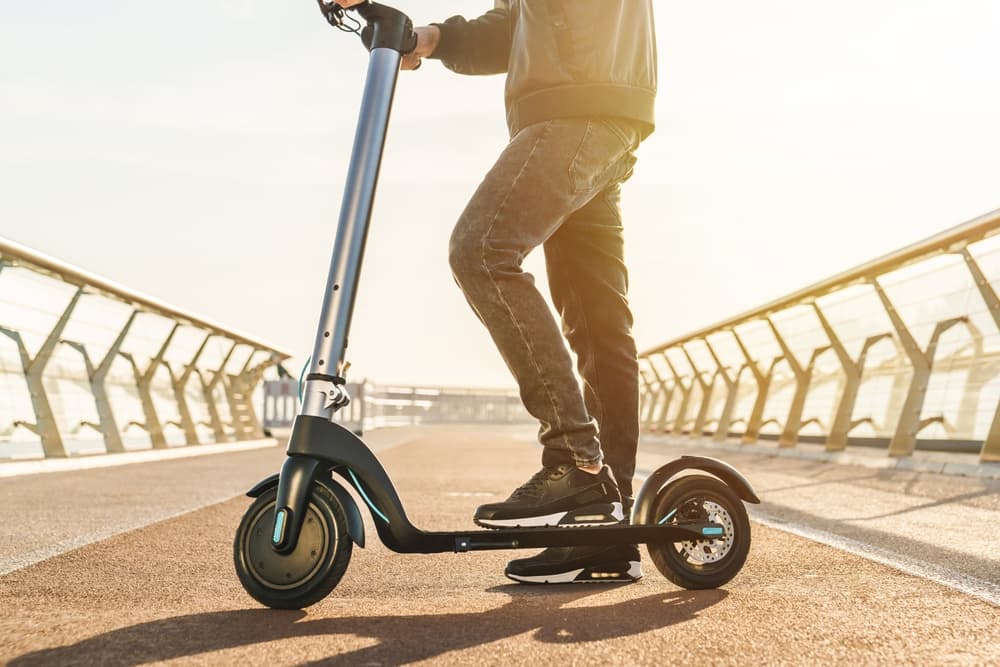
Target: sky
{"points": [[196, 151]]}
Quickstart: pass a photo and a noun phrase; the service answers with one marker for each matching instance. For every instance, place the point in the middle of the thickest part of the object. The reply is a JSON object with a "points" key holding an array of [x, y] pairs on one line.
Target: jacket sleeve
{"points": [[478, 46]]}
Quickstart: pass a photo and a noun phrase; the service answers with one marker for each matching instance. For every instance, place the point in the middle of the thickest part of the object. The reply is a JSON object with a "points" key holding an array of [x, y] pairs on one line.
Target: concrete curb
{"points": [[915, 464], [41, 466]]}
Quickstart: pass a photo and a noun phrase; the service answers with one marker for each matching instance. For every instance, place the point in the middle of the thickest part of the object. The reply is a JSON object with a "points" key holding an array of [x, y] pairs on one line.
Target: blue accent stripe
{"points": [[303, 374], [711, 531], [364, 495], [279, 526], [667, 518]]}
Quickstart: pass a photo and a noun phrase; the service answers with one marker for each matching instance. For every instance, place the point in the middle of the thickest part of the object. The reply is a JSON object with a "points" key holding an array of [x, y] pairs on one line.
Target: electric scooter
{"points": [[295, 541]]}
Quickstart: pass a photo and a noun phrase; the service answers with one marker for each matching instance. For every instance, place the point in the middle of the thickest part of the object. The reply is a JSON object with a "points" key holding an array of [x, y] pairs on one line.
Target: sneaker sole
{"points": [[578, 518], [585, 575]]}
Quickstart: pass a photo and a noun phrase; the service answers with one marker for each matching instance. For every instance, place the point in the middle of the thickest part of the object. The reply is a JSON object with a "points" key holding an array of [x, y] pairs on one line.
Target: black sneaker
{"points": [[559, 496], [578, 565]]}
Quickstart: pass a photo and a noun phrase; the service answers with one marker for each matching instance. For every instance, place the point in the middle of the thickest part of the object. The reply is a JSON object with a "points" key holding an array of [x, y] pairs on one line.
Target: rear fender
{"points": [[642, 511]]}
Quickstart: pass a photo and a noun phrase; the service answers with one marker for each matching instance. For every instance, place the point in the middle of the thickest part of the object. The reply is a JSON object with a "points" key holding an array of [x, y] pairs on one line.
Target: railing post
{"points": [[250, 381], [179, 384], [679, 421], [790, 433], [649, 397], [208, 390], [991, 445], [904, 439], [732, 392], [98, 387], [660, 396], [240, 410], [645, 397], [34, 370], [978, 375], [763, 387], [144, 383], [836, 441], [803, 377], [901, 381], [668, 396], [706, 395]]}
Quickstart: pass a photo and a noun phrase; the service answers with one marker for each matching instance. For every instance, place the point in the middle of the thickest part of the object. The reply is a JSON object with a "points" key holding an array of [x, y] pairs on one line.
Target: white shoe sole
{"points": [[597, 577], [617, 516]]}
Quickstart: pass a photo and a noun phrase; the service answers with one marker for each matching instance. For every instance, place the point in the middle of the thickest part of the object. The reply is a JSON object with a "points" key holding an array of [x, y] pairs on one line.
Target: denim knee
{"points": [[465, 255], [474, 259]]}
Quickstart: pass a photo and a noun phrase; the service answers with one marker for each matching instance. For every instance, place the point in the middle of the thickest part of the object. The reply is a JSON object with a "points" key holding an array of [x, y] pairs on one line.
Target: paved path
{"points": [[73, 508], [944, 527], [167, 593]]}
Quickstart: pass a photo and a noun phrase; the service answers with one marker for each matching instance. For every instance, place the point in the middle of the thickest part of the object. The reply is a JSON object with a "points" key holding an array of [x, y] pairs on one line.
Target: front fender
{"points": [[642, 511], [355, 524]]}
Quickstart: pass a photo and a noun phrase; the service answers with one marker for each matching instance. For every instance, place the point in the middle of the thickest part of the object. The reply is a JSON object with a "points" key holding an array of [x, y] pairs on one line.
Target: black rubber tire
{"points": [[253, 536], [673, 565]]}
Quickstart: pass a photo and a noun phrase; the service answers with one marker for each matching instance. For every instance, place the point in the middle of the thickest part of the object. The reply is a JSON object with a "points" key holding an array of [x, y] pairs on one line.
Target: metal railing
{"points": [[902, 352], [90, 366], [376, 406]]}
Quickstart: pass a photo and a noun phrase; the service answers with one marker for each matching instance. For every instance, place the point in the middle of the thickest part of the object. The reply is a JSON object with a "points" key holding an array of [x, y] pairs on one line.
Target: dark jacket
{"points": [[563, 58]]}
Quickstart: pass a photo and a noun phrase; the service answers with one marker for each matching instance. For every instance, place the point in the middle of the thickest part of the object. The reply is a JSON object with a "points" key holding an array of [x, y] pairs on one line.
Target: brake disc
{"points": [[711, 551]]}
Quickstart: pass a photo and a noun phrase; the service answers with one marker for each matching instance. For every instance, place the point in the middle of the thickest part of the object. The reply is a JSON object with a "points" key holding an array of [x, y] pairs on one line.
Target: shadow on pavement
{"points": [[401, 639]]}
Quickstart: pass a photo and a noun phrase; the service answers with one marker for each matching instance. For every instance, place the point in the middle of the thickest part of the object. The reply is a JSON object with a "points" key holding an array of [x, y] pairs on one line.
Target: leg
{"points": [[546, 173], [588, 280]]}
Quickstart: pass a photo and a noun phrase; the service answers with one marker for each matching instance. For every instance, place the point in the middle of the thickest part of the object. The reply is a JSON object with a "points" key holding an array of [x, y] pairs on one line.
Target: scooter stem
{"points": [[352, 232]]}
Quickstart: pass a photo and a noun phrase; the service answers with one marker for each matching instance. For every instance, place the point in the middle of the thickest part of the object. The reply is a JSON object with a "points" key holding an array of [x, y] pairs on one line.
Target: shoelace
{"points": [[534, 487]]}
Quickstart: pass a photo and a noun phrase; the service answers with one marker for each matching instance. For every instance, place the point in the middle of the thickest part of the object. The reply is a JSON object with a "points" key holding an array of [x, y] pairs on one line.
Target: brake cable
{"points": [[339, 18], [344, 21]]}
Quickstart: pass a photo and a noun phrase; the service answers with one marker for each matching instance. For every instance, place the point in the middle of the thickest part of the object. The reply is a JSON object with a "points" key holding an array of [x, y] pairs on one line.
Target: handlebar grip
{"points": [[386, 27], [366, 10], [411, 44]]}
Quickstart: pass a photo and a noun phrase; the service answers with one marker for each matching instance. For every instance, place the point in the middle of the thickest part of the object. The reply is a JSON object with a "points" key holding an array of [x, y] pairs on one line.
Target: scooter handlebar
{"points": [[386, 27]]}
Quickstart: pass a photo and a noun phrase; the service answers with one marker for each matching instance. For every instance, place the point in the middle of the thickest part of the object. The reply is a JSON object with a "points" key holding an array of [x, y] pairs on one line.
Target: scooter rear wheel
{"points": [[310, 572], [703, 563]]}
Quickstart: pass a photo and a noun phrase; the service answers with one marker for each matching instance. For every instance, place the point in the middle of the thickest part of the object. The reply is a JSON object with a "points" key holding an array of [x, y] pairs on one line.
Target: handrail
{"points": [[77, 276], [163, 374], [913, 366], [950, 240]]}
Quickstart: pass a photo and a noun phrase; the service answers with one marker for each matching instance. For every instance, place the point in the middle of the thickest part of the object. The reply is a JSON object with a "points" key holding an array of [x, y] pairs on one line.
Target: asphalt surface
{"points": [[944, 527], [48, 514], [166, 593]]}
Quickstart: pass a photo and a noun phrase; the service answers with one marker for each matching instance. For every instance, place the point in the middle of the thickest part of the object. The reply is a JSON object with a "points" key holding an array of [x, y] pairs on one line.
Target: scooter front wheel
{"points": [[708, 563], [310, 572]]}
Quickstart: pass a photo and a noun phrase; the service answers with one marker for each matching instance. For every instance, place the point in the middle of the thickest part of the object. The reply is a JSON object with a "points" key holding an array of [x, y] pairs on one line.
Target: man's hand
{"points": [[427, 42]]}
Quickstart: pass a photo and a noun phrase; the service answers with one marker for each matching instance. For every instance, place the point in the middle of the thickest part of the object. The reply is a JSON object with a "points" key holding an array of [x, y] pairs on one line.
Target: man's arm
{"points": [[477, 46]]}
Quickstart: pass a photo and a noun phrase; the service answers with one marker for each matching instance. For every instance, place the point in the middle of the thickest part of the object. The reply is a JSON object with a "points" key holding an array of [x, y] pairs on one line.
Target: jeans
{"points": [[557, 184]]}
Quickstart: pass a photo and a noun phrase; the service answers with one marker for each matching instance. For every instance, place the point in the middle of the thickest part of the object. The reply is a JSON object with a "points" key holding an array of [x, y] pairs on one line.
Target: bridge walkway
{"points": [[161, 587]]}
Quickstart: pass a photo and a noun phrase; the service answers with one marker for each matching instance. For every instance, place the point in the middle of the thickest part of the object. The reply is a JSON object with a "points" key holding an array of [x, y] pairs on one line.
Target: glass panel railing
{"points": [[88, 366], [901, 352]]}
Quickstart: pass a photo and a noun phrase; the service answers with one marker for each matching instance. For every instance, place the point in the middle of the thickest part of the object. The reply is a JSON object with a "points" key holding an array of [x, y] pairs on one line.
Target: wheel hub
{"points": [[711, 551], [280, 571]]}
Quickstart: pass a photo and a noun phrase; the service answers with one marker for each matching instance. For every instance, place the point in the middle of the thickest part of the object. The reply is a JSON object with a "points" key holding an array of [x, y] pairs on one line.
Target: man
{"points": [[580, 91]]}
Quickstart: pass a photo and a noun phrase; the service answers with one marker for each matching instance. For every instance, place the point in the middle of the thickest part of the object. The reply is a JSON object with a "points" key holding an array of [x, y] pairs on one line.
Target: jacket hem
{"points": [[573, 101]]}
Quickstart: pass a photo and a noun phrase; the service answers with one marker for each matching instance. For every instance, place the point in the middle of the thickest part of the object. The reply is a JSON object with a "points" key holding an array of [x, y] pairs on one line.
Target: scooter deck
{"points": [[540, 537]]}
